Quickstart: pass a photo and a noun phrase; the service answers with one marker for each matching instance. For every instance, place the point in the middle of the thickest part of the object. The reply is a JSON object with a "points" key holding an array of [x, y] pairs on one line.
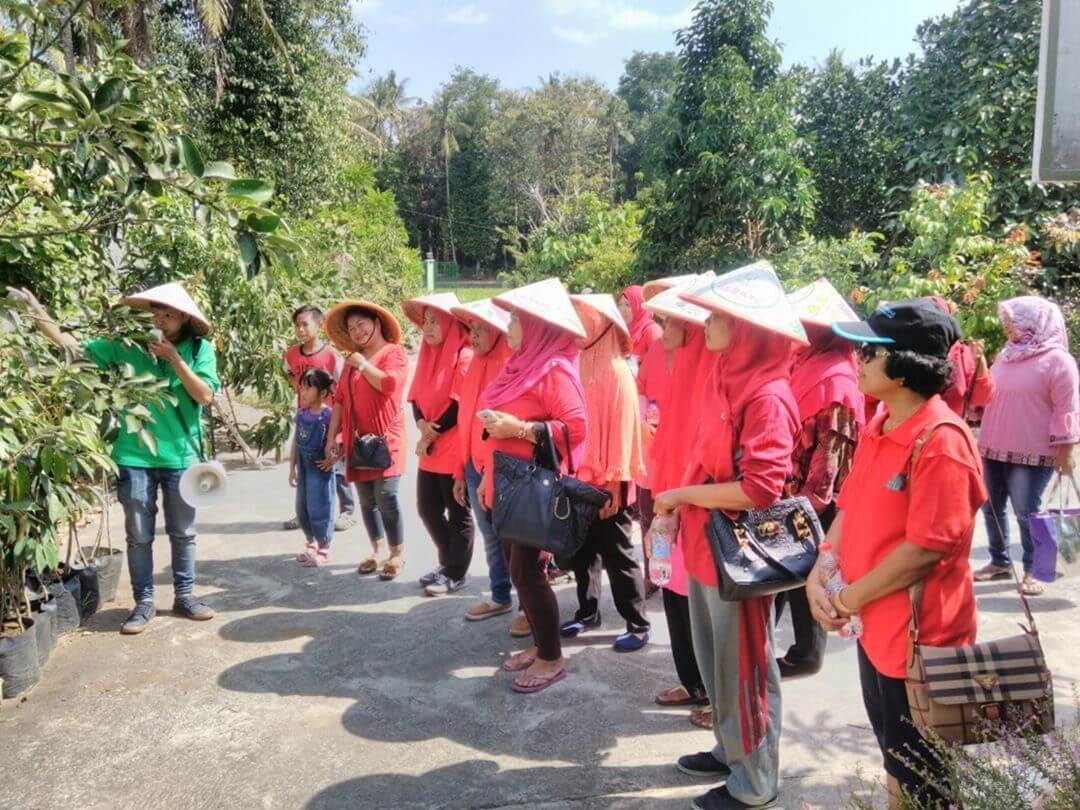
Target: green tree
{"points": [[646, 85]]}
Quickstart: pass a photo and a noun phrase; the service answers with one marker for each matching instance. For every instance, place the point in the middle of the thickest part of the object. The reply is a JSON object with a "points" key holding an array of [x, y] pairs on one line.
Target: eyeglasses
{"points": [[869, 351]]}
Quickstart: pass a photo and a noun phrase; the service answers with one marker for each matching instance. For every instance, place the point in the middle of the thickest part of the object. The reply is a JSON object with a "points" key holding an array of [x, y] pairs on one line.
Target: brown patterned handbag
{"points": [[973, 694]]}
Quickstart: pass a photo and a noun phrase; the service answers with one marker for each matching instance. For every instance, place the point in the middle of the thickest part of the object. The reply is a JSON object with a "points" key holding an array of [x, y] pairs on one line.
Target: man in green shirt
{"points": [[189, 365]]}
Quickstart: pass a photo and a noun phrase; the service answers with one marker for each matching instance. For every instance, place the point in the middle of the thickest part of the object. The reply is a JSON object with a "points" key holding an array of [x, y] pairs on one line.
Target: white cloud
{"points": [[467, 14], [575, 35], [620, 15]]}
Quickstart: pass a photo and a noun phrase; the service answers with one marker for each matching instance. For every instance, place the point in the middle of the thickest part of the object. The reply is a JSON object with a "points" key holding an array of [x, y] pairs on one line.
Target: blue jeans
{"points": [[380, 509], [137, 489], [315, 500], [498, 570], [1023, 485], [346, 501]]}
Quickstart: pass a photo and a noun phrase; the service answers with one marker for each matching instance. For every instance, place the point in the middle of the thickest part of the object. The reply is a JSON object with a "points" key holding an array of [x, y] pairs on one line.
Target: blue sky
{"points": [[518, 40]]}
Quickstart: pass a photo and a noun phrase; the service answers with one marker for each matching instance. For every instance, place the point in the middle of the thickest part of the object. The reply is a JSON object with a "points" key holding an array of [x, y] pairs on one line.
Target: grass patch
{"points": [[467, 294]]}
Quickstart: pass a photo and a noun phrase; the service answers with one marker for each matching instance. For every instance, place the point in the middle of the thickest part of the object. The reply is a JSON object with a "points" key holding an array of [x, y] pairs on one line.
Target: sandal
{"points": [[392, 567], [318, 559], [679, 696], [990, 572], [307, 553], [519, 661], [702, 718], [541, 682], [369, 565], [1031, 586]]}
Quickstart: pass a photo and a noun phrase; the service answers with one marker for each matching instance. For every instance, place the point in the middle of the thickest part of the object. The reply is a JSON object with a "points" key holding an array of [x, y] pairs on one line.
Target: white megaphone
{"points": [[204, 484]]}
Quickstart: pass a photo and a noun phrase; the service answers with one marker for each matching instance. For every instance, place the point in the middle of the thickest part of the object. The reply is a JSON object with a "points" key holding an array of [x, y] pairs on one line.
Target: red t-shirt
{"points": [[444, 457], [297, 364], [765, 439], [935, 509], [555, 400], [654, 385], [366, 410], [470, 430]]}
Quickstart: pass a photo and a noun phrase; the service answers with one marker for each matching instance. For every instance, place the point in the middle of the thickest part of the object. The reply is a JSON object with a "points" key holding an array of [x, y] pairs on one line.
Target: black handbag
{"points": [[763, 552], [369, 452], [538, 507]]}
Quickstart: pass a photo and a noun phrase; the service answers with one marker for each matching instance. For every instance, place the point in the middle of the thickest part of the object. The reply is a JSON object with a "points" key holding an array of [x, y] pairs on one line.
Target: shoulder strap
{"points": [[915, 591]]}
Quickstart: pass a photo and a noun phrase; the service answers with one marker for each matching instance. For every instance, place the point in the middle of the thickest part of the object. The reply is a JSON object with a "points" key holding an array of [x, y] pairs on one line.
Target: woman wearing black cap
{"points": [[906, 515]]}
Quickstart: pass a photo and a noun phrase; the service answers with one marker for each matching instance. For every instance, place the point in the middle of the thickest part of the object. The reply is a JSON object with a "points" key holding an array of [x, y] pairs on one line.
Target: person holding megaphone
{"points": [[188, 363]]}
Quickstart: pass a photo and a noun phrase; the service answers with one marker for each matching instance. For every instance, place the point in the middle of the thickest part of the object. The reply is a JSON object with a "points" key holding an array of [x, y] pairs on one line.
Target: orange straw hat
{"points": [[594, 308], [822, 304], [754, 294], [171, 295], [546, 300], [483, 311], [339, 334], [414, 307], [658, 285], [668, 303]]}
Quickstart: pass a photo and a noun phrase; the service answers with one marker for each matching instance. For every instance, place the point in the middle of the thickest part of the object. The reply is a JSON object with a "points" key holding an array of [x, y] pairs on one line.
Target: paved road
{"points": [[314, 688]]}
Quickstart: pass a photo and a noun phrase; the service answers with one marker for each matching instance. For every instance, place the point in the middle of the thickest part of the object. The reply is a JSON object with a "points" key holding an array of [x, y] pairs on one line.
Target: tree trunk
{"points": [[67, 41], [135, 23], [449, 212]]}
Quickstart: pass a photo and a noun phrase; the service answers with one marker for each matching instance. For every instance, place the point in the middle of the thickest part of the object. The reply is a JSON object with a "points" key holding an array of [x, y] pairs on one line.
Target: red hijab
{"points": [[825, 373], [543, 347], [438, 367], [643, 329]]}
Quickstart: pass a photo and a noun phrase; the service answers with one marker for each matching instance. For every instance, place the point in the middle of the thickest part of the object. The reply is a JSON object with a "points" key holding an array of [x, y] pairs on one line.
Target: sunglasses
{"points": [[868, 352]]}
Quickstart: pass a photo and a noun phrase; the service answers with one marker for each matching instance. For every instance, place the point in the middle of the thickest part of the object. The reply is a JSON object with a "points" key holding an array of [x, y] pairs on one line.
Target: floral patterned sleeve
{"points": [[823, 455]]}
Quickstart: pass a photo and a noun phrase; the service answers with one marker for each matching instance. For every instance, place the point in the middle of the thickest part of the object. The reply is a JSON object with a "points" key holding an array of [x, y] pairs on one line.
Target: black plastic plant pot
{"points": [[90, 591], [19, 665], [67, 593], [110, 567], [43, 627]]}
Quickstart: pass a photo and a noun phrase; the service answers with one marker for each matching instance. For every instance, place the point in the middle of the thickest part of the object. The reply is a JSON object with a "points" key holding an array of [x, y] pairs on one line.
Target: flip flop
{"points": [[990, 572], [702, 718], [677, 696], [317, 560], [1031, 586], [309, 551], [544, 682], [518, 662]]}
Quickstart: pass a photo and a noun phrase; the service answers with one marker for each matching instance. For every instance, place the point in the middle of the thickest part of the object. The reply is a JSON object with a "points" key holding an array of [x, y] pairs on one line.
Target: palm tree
{"points": [[614, 120], [448, 125], [387, 96]]}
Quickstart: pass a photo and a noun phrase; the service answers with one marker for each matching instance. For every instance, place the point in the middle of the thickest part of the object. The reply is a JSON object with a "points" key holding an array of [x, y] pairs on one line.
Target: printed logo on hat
{"points": [[821, 303], [754, 294], [669, 303], [546, 300]]}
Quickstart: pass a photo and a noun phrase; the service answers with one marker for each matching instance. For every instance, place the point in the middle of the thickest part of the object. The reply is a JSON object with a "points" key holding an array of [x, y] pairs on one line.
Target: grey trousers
{"points": [[747, 734]]}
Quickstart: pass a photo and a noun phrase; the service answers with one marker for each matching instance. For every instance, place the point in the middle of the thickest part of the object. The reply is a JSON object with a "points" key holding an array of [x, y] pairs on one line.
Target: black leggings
{"points": [[449, 524], [677, 610], [609, 545]]}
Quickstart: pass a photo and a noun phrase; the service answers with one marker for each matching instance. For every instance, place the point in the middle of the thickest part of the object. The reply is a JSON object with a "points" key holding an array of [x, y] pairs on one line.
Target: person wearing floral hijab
{"points": [[1029, 428]]}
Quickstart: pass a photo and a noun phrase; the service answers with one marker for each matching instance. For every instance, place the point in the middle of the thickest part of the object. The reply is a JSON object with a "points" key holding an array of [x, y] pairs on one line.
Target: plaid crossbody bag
{"points": [[972, 694]]}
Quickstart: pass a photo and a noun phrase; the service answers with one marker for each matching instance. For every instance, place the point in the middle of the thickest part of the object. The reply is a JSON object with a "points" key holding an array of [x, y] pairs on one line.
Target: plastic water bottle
{"points": [[834, 583], [661, 536]]}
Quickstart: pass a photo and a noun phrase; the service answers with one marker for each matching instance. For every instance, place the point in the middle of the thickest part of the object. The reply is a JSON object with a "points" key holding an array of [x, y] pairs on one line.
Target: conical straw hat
{"points": [[754, 294], [597, 305], [669, 304], [414, 307], [339, 335], [171, 295], [822, 304], [658, 285], [484, 311], [546, 300]]}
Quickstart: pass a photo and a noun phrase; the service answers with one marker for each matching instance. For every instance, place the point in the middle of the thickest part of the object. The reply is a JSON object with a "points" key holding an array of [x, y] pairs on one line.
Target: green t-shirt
{"points": [[175, 446]]}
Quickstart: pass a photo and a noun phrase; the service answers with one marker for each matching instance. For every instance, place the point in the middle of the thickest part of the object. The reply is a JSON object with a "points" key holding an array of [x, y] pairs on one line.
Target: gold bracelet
{"points": [[839, 604], [523, 430]]}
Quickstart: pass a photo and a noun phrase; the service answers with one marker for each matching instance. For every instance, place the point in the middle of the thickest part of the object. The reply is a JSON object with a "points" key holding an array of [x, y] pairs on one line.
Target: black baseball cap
{"points": [[916, 325]]}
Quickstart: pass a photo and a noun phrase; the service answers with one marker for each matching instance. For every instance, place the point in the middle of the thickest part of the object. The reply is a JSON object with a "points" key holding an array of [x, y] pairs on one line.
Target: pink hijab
{"points": [[1040, 324], [825, 373], [643, 329], [543, 347]]}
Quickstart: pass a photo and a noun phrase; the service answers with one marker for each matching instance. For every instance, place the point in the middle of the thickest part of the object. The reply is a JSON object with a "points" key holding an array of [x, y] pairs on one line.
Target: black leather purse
{"points": [[369, 452], [538, 507], [763, 552]]}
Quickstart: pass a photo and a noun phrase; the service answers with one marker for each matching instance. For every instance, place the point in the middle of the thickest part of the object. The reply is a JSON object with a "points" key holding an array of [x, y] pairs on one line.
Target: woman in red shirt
{"points": [[443, 361], [367, 400], [644, 331], [536, 395], [906, 515], [741, 458]]}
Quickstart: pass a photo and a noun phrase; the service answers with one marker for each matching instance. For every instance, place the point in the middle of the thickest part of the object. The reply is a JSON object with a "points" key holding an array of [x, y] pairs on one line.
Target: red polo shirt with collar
{"points": [[933, 505]]}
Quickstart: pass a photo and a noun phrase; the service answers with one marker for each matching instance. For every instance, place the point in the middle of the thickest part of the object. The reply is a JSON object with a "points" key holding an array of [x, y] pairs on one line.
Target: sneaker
{"points": [[444, 585], [703, 764], [137, 620], [575, 627], [485, 610], [346, 520], [720, 799], [191, 608], [632, 642], [291, 524], [431, 577]]}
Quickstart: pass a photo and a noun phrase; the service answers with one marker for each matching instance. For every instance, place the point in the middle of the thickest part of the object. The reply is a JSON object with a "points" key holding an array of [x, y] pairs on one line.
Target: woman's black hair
{"points": [[318, 379], [924, 374]]}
